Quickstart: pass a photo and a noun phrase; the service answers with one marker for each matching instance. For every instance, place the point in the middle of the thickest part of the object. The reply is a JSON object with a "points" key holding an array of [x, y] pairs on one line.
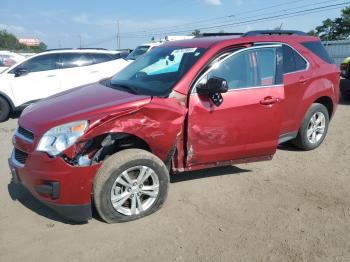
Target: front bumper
{"points": [[64, 188]]}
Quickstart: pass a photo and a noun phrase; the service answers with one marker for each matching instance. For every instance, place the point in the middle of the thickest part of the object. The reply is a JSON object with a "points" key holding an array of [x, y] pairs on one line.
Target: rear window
{"points": [[101, 58], [318, 49]]}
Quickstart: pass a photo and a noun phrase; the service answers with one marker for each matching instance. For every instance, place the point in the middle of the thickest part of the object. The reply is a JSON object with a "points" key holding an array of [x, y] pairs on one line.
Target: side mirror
{"points": [[214, 85], [20, 72]]}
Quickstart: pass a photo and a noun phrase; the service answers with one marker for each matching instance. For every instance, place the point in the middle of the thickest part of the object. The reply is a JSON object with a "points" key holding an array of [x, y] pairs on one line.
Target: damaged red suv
{"points": [[185, 105]]}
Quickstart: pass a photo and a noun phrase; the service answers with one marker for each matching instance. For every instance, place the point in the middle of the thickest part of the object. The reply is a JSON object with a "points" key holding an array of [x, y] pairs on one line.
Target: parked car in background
{"points": [[345, 79], [8, 59], [185, 105], [52, 72], [142, 49]]}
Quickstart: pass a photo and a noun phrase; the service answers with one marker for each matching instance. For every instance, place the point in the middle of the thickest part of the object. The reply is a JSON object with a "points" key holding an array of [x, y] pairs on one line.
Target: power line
{"points": [[252, 20], [217, 18], [268, 18]]}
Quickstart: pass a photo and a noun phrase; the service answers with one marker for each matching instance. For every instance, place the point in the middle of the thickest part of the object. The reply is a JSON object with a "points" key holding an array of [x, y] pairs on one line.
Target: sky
{"points": [[71, 23]]}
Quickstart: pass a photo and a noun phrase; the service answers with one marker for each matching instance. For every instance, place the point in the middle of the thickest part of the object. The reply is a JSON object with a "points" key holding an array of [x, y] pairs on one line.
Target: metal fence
{"points": [[338, 50]]}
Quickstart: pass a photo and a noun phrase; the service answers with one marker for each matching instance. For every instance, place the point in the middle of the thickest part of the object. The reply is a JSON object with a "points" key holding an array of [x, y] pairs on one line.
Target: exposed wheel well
{"points": [[115, 142], [327, 102]]}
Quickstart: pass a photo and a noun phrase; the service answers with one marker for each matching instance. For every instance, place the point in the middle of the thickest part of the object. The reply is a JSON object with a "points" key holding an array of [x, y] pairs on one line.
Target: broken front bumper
{"points": [[64, 188]]}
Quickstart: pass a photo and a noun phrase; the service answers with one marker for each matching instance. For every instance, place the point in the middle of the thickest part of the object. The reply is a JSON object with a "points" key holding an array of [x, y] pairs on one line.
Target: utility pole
{"points": [[79, 40], [118, 35]]}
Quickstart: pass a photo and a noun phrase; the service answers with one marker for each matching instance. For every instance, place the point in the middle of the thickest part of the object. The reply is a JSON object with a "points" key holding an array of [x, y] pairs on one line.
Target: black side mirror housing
{"points": [[214, 85], [20, 72]]}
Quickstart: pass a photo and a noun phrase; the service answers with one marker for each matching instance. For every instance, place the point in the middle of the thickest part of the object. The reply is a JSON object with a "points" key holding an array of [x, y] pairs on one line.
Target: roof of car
{"points": [[68, 50], [206, 42]]}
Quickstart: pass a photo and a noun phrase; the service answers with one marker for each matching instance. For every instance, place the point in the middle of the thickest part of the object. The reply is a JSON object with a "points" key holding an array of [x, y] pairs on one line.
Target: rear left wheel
{"points": [[314, 128], [131, 184]]}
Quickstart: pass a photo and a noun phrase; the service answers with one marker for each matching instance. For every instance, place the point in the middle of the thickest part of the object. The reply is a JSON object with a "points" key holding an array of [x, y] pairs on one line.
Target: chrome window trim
{"points": [[282, 43], [247, 88], [274, 45]]}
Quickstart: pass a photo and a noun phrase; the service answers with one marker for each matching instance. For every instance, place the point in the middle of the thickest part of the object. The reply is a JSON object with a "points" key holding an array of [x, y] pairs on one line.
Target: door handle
{"points": [[269, 100], [303, 80], [95, 71], [50, 75]]}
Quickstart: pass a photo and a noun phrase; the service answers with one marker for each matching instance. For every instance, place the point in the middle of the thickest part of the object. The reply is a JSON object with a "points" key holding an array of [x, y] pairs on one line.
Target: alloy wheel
{"points": [[135, 190]]}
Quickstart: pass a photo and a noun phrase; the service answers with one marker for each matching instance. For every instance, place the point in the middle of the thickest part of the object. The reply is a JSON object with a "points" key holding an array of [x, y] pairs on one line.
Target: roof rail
{"points": [[219, 34], [80, 48], [274, 32]]}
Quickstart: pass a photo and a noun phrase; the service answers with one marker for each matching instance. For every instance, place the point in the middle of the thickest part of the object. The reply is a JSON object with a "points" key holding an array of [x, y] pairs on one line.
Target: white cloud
{"points": [[213, 2]]}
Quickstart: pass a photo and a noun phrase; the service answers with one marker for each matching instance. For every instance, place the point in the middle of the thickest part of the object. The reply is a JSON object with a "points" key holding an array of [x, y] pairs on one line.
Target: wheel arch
{"points": [[328, 103], [8, 100]]}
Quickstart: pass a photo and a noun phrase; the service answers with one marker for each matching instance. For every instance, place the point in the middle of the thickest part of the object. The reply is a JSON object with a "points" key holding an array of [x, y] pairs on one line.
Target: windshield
{"points": [[139, 51], [158, 71]]}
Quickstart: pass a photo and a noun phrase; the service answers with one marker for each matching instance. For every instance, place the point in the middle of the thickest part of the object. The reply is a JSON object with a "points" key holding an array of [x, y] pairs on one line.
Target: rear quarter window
{"points": [[318, 49]]}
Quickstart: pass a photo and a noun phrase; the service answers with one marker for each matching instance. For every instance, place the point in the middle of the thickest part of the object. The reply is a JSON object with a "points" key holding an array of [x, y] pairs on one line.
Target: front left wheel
{"points": [[4, 110], [130, 184]]}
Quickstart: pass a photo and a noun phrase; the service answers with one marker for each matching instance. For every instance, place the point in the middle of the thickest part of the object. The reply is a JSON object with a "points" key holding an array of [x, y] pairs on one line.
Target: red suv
{"points": [[185, 105]]}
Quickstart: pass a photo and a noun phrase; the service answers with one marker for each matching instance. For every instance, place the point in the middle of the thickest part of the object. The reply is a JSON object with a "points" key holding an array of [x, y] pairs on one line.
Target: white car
{"points": [[142, 49], [52, 72]]}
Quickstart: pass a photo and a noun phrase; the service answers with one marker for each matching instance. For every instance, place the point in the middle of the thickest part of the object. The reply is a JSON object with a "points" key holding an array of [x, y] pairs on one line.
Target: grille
{"points": [[20, 156], [26, 133]]}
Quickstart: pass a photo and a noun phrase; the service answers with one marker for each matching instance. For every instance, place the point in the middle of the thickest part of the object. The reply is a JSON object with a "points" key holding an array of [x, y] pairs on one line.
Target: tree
{"points": [[10, 42], [196, 32], [336, 29]]}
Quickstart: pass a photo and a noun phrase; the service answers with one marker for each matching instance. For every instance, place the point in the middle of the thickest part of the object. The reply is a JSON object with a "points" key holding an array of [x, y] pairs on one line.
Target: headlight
{"points": [[59, 138]]}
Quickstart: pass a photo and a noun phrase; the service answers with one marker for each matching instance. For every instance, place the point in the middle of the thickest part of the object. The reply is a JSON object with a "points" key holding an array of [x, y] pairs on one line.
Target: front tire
{"points": [[4, 110], [130, 184], [313, 129]]}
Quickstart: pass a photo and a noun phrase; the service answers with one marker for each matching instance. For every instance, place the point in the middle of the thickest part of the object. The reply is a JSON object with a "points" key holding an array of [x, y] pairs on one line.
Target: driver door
{"points": [[40, 80], [247, 123]]}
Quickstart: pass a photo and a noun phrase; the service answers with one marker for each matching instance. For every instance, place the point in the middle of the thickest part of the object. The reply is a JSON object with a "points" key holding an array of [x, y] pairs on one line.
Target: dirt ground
{"points": [[293, 208]]}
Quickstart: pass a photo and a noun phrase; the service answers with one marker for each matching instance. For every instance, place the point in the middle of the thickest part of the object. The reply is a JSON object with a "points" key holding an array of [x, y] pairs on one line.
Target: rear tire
{"points": [[130, 184], [4, 110], [313, 129]]}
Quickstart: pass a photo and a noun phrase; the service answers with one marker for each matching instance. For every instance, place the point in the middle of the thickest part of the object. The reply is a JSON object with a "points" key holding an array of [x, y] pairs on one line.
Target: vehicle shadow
{"points": [[21, 194], [288, 146], [210, 172]]}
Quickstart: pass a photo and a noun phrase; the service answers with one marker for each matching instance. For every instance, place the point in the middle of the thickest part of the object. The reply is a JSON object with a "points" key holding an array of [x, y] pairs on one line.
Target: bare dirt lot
{"points": [[293, 208]]}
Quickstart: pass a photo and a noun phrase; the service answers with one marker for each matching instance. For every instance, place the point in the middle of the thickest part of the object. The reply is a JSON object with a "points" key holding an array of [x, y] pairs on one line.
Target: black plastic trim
{"points": [[286, 137], [75, 213]]}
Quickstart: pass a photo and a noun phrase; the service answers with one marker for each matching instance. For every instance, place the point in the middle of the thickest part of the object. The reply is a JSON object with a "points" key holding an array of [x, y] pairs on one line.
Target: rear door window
{"points": [[71, 60], [101, 58]]}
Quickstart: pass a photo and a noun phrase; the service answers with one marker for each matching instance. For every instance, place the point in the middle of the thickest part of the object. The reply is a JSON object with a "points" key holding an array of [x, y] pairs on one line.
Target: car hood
{"points": [[90, 102]]}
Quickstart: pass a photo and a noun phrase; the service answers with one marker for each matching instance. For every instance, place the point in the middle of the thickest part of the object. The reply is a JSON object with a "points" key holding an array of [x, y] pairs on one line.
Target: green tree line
{"points": [[334, 29], [9, 42]]}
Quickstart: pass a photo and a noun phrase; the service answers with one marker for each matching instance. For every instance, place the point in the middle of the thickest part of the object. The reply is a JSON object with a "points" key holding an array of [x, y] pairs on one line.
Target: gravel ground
{"points": [[293, 208]]}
